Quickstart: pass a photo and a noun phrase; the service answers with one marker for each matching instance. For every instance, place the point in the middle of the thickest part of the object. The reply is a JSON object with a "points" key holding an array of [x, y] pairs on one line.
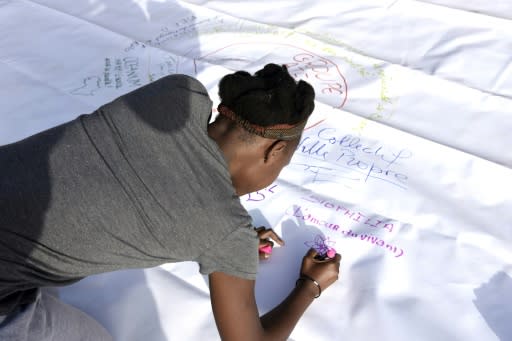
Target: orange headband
{"points": [[277, 131]]}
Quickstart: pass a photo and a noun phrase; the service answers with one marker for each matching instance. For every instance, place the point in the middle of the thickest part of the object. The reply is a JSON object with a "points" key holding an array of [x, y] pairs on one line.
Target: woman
{"points": [[143, 181]]}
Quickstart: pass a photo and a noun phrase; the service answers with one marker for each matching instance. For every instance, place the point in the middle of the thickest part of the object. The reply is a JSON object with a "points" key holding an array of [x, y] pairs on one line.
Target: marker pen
{"points": [[331, 253], [266, 249]]}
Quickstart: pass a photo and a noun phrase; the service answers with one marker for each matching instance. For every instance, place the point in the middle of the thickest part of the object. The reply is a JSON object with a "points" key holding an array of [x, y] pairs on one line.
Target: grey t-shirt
{"points": [[135, 184]]}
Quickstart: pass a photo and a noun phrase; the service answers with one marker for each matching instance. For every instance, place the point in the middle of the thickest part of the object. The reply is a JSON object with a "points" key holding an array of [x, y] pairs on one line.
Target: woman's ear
{"points": [[276, 151]]}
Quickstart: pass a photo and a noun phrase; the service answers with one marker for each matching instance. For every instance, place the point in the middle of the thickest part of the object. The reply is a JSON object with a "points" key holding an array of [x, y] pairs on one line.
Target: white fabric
{"points": [[405, 167]]}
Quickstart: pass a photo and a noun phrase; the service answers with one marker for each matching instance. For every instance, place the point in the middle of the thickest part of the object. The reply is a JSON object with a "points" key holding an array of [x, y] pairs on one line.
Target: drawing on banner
{"points": [[330, 156], [323, 74], [89, 87], [376, 241], [339, 221], [314, 60], [322, 245], [301, 213], [144, 61], [182, 28], [357, 233], [261, 194], [351, 216], [128, 73], [385, 100]]}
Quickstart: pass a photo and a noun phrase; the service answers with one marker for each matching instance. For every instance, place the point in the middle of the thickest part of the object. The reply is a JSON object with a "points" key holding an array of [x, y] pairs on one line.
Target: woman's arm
{"points": [[236, 313]]}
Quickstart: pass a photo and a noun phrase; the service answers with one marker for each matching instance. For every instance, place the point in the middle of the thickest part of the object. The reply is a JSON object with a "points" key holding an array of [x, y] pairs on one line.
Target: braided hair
{"points": [[270, 96]]}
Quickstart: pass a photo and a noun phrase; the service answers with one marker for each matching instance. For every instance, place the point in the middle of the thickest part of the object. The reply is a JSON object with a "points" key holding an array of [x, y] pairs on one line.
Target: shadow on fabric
{"points": [[494, 302], [29, 169]]}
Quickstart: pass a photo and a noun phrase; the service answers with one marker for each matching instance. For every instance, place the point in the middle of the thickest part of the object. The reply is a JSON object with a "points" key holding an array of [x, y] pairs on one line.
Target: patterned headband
{"points": [[277, 131]]}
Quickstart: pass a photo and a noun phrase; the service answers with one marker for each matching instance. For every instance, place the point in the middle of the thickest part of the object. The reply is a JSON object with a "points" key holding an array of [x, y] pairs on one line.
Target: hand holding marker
{"points": [[329, 254], [323, 247], [266, 244], [320, 266], [266, 249]]}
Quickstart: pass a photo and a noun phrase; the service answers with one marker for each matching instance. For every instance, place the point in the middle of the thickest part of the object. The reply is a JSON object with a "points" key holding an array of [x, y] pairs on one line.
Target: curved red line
{"points": [[314, 125], [299, 48]]}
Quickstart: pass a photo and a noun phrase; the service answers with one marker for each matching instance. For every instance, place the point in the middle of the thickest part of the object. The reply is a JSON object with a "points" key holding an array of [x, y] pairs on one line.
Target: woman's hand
{"points": [[324, 272], [266, 244], [234, 303]]}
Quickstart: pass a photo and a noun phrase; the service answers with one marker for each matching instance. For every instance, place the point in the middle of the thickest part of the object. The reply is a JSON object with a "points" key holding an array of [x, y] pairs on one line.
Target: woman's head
{"points": [[270, 96], [261, 118]]}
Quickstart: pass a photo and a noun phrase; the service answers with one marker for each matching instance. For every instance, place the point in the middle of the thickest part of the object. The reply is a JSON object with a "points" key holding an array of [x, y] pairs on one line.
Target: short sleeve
{"points": [[236, 255]]}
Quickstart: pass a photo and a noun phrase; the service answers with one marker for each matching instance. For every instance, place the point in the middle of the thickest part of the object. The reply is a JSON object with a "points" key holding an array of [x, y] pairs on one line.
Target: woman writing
{"points": [[145, 180]]}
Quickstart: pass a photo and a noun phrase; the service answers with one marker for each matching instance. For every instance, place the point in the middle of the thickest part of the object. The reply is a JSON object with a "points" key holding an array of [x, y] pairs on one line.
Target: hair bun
{"points": [[269, 97], [305, 98], [234, 85]]}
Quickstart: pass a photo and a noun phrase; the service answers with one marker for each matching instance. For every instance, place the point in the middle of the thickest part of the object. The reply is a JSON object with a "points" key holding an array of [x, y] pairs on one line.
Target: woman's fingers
{"points": [[265, 248], [270, 234], [264, 255], [312, 253], [267, 238], [325, 271]]}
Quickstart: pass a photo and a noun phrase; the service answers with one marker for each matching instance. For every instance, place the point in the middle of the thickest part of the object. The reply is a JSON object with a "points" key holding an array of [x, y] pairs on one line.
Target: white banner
{"points": [[404, 167]]}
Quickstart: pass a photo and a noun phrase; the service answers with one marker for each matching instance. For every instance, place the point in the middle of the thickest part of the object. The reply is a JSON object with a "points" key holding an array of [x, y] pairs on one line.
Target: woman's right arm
{"points": [[236, 313]]}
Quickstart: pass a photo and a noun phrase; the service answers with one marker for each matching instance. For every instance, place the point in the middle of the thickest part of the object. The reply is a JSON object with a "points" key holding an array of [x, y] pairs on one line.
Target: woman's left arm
{"points": [[236, 313]]}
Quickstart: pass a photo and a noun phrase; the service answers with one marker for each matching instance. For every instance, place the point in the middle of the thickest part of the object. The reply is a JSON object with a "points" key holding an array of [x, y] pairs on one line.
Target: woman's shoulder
{"points": [[183, 81]]}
